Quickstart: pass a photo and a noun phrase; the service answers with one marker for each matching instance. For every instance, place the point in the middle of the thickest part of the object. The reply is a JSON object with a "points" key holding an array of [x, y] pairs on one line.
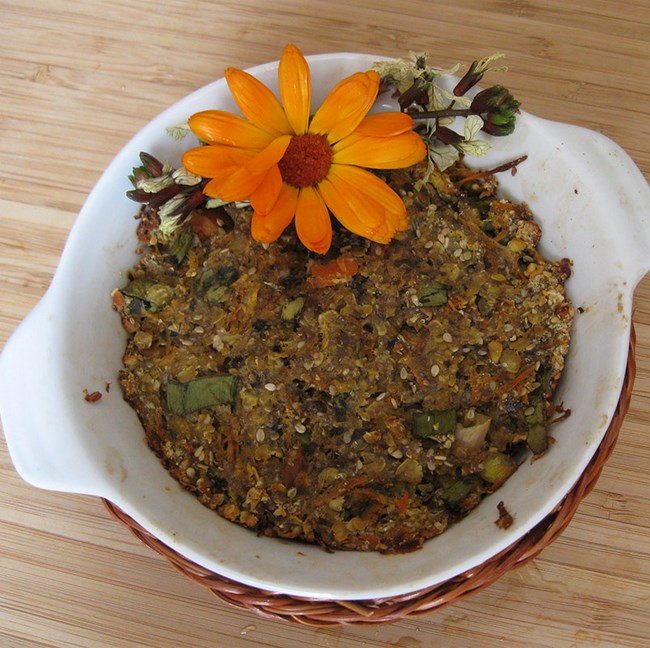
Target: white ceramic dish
{"points": [[593, 205]]}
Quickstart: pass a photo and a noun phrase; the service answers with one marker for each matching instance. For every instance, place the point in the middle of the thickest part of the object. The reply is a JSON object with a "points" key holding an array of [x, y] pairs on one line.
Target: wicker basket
{"points": [[272, 605]]}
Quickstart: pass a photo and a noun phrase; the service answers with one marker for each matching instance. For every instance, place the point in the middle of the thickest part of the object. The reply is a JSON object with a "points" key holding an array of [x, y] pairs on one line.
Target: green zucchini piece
{"points": [[427, 425], [214, 282], [497, 467], [457, 492], [215, 294], [433, 294], [537, 439]]}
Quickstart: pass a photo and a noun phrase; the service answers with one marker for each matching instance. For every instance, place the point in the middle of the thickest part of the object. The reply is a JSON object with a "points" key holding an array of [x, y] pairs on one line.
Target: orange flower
{"points": [[292, 167]]}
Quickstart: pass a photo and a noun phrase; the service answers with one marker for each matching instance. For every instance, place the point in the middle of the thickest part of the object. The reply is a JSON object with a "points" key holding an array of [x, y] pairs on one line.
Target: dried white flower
{"points": [[179, 131], [183, 177]]}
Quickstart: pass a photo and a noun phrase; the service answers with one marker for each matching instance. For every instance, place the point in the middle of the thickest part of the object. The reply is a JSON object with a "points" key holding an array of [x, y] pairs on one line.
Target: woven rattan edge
{"points": [[273, 605]]}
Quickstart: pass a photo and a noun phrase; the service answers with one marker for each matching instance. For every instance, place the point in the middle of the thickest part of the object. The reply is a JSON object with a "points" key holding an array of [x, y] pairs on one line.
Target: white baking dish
{"points": [[593, 204]]}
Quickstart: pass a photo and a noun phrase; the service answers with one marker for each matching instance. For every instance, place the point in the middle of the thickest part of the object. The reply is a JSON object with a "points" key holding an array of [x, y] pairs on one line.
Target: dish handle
{"points": [[623, 193], [37, 425]]}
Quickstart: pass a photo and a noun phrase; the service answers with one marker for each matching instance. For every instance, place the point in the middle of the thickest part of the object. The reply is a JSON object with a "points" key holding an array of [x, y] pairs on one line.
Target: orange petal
{"points": [[367, 220], [257, 102], [365, 186], [209, 161], [219, 127], [363, 203], [266, 228], [385, 124], [313, 224], [241, 184], [266, 195], [295, 88], [238, 186], [271, 155], [212, 189], [381, 152], [345, 106]]}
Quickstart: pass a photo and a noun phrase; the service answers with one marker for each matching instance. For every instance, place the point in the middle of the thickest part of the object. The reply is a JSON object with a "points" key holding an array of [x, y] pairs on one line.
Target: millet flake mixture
{"points": [[363, 400]]}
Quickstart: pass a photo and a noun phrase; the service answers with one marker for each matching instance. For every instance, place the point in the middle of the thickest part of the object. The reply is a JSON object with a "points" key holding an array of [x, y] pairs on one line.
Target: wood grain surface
{"points": [[77, 80]]}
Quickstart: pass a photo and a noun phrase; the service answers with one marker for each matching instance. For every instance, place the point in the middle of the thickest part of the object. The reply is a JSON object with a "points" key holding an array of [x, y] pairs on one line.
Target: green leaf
{"points": [[208, 391], [155, 295], [181, 245]]}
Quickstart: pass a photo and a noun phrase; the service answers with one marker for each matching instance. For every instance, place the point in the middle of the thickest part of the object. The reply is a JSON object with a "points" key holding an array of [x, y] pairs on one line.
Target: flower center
{"points": [[306, 160]]}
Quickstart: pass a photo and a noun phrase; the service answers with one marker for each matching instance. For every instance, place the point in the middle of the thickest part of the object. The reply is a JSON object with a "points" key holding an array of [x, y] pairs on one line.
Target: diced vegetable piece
{"points": [[427, 425], [457, 492], [433, 294], [185, 398], [471, 438], [215, 294], [537, 415], [511, 361], [214, 282], [537, 439], [497, 467], [332, 272], [180, 246], [156, 295], [292, 309], [409, 471]]}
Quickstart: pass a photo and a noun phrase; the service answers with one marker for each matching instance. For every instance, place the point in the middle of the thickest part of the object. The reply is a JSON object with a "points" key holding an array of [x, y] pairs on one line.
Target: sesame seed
{"points": [[381, 396], [435, 370], [270, 387], [447, 337], [300, 428], [403, 373], [259, 435]]}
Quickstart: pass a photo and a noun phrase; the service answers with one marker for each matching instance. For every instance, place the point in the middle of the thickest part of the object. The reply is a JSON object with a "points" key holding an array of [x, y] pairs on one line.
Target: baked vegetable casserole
{"points": [[364, 399]]}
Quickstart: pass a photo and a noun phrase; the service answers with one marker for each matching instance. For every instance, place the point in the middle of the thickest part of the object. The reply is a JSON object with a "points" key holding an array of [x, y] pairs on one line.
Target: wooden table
{"points": [[77, 80]]}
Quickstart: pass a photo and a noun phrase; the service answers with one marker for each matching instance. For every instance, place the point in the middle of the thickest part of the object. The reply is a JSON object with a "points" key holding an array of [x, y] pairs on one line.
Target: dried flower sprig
{"points": [[279, 150], [174, 193], [418, 89]]}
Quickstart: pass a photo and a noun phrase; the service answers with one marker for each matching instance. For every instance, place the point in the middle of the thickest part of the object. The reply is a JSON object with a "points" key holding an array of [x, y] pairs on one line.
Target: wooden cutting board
{"points": [[77, 80]]}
